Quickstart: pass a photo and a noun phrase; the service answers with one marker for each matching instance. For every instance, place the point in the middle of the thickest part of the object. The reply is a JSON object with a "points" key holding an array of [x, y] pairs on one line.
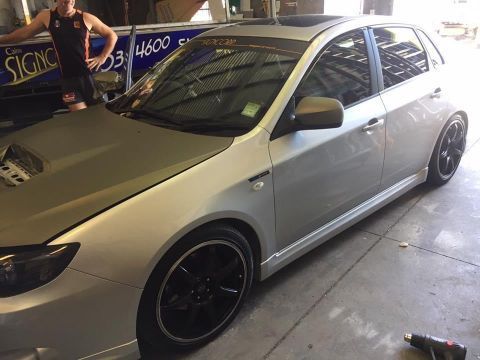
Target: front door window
{"points": [[341, 72]]}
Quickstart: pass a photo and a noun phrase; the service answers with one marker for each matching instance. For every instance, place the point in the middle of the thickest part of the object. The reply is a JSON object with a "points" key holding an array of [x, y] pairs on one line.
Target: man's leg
{"points": [[73, 94]]}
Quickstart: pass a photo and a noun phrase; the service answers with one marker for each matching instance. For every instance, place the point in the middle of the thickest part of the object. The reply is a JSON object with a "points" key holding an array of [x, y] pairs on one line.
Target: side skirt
{"points": [[334, 227]]}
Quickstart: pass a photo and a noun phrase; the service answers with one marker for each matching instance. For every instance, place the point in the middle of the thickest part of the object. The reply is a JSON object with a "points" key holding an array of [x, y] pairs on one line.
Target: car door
{"points": [[320, 174], [415, 101]]}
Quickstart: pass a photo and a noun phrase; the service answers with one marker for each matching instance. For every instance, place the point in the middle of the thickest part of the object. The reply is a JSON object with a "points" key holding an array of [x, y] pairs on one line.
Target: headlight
{"points": [[23, 269]]}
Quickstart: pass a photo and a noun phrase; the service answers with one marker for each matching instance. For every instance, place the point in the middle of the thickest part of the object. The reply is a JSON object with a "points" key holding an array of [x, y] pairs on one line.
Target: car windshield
{"points": [[217, 86]]}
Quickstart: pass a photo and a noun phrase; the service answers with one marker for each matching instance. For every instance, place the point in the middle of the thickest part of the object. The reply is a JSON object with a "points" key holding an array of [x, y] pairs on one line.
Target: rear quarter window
{"points": [[435, 56]]}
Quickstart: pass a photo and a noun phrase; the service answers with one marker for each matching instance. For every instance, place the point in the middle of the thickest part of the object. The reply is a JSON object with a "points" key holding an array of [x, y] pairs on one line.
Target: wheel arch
{"points": [[464, 116], [245, 229], [461, 113], [434, 177], [241, 225], [252, 239]]}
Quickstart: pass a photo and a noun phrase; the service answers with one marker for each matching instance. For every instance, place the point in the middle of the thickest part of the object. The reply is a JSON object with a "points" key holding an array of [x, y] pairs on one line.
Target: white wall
{"points": [[6, 16], [217, 9], [343, 7], [425, 13], [429, 13]]}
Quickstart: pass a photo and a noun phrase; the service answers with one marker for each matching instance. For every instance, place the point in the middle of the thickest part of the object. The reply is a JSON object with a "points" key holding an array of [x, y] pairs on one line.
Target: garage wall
{"points": [[378, 7]]}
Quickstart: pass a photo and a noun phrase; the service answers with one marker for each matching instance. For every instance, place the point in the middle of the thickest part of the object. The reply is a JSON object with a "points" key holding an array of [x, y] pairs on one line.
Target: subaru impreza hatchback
{"points": [[144, 220]]}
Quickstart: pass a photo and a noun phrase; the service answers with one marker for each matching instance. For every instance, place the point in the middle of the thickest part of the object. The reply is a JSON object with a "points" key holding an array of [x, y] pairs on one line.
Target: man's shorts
{"points": [[79, 89]]}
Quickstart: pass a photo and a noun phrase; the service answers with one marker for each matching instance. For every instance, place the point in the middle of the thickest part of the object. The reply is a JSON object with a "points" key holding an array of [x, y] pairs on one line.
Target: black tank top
{"points": [[71, 40]]}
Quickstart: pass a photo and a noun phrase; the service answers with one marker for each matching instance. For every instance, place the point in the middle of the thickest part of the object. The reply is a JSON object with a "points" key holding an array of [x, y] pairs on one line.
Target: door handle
{"points": [[372, 124], [436, 93]]}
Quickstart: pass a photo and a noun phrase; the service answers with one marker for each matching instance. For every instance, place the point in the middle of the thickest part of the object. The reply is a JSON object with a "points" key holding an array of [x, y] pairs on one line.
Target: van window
{"points": [[401, 54]]}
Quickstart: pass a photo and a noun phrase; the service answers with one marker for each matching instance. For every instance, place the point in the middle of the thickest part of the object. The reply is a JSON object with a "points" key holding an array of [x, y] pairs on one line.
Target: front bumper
{"points": [[75, 316]]}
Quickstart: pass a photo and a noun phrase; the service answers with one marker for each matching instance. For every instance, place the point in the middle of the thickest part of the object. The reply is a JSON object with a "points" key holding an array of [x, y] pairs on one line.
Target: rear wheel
{"points": [[448, 151], [197, 289]]}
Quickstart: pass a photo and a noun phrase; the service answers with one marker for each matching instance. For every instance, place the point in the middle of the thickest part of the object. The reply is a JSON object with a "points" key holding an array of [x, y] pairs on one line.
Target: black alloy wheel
{"points": [[201, 289], [198, 289], [448, 151]]}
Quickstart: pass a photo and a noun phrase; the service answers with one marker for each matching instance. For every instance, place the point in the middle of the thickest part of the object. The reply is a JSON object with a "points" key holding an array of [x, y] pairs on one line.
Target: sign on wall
{"points": [[37, 62]]}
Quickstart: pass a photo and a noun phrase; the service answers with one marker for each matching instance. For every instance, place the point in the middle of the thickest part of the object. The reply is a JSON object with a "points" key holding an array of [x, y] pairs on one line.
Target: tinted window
{"points": [[401, 54], [341, 72], [213, 85], [435, 56]]}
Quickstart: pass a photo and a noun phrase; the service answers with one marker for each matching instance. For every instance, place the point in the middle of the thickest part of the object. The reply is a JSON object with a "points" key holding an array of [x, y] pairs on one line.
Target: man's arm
{"points": [[106, 32], [38, 25]]}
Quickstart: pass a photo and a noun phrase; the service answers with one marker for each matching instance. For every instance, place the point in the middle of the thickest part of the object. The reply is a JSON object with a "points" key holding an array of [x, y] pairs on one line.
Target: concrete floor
{"points": [[355, 296]]}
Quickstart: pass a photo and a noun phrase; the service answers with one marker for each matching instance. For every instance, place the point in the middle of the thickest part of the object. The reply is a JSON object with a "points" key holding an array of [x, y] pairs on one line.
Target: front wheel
{"points": [[448, 151], [197, 289]]}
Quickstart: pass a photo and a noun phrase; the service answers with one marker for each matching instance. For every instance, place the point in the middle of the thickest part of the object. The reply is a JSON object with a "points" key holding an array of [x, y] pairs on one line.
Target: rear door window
{"points": [[402, 56]]}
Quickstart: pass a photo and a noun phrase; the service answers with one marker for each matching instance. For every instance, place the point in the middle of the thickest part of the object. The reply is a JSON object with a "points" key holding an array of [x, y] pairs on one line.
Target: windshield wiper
{"points": [[150, 114]]}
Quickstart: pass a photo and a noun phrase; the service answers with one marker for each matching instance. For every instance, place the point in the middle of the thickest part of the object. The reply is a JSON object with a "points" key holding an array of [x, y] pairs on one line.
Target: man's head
{"points": [[65, 7]]}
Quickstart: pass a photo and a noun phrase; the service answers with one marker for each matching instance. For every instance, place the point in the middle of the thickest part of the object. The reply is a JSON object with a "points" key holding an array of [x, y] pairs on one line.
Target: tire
{"points": [[448, 151], [196, 290]]}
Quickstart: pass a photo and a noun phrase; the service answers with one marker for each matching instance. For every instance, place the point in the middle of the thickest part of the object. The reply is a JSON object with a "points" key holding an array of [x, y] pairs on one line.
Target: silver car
{"points": [[145, 220]]}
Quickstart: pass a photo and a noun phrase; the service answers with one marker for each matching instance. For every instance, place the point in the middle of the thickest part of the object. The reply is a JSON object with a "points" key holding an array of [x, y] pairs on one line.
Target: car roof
{"points": [[297, 27]]}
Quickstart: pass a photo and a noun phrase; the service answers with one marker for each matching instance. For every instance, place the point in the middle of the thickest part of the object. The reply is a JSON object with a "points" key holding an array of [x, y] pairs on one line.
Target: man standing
{"points": [[70, 30]]}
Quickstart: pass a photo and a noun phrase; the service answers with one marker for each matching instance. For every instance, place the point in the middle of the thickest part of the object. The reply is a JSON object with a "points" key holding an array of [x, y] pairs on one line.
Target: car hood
{"points": [[87, 162]]}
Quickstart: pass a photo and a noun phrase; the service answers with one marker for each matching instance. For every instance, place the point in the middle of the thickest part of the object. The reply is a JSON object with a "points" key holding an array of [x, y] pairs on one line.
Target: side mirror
{"points": [[318, 113]]}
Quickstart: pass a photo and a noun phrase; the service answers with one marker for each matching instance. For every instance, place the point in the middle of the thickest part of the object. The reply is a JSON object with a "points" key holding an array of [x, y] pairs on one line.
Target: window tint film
{"points": [[341, 72], [401, 54], [435, 56], [213, 85]]}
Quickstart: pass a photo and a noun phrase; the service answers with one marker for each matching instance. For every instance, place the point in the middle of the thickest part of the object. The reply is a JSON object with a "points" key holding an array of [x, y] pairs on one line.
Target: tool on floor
{"points": [[446, 349]]}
